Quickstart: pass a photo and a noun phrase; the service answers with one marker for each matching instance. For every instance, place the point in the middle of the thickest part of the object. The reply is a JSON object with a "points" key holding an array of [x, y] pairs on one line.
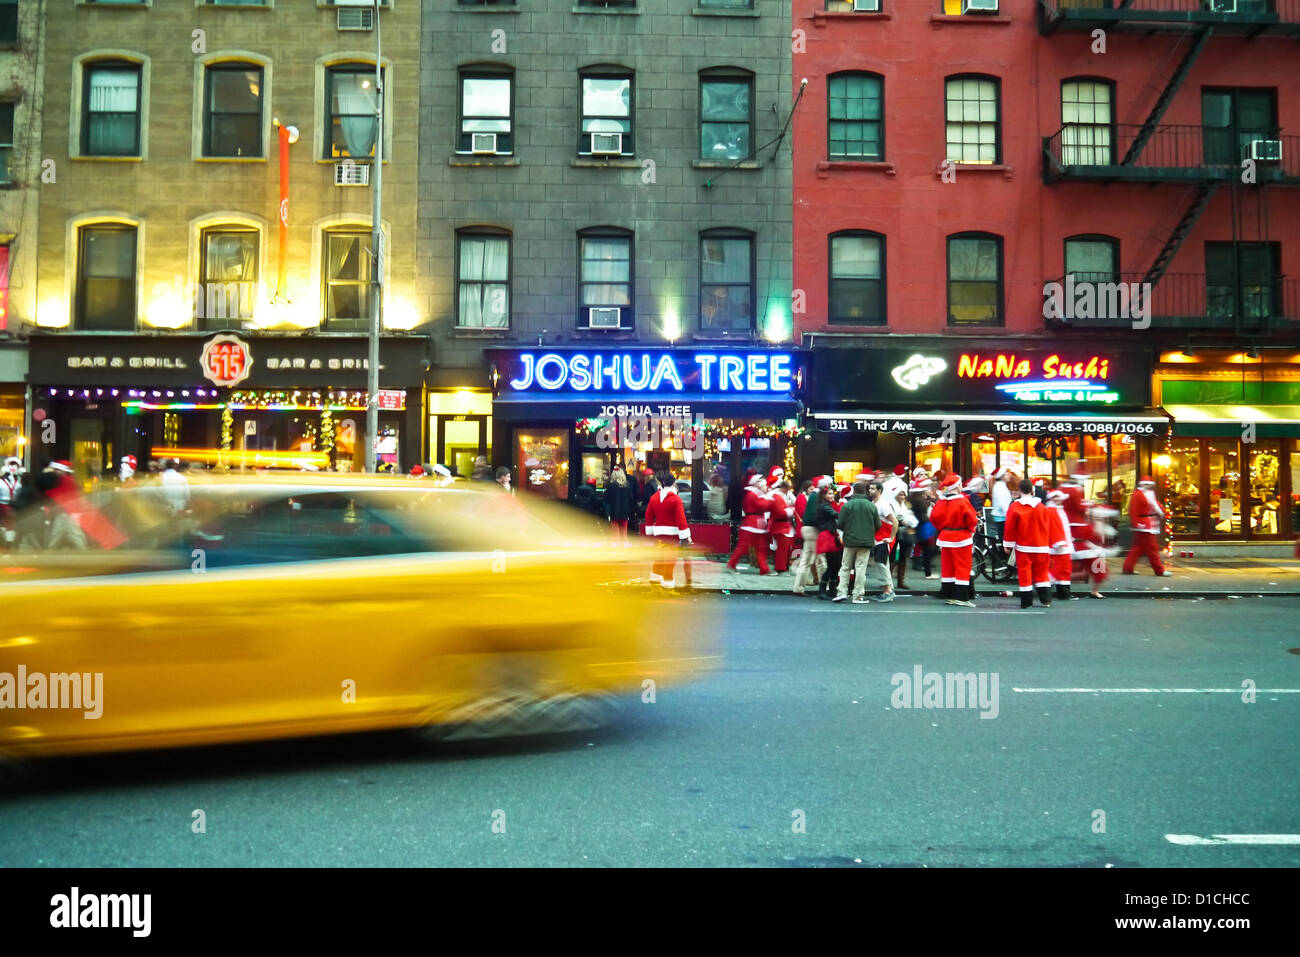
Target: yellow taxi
{"points": [[281, 606]]}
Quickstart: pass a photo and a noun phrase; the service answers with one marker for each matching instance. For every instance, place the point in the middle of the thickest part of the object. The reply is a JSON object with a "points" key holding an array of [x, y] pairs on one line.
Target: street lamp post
{"points": [[376, 261]]}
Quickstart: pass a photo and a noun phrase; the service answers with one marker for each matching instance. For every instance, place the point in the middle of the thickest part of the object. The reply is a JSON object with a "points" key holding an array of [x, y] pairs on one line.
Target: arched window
{"points": [[857, 278], [607, 122], [726, 280], [1087, 122], [975, 280], [487, 102], [483, 278], [972, 108], [726, 114], [605, 278], [855, 117]]}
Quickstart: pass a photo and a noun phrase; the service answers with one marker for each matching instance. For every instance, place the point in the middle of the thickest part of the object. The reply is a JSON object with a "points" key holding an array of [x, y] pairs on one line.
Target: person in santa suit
{"points": [[1028, 536], [954, 518], [1076, 513], [753, 524], [781, 525], [805, 570], [1146, 516], [1060, 554], [665, 522], [895, 483], [1100, 543], [11, 480]]}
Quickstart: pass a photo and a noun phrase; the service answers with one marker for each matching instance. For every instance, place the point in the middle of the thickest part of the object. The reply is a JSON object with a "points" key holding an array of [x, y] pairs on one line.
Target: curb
{"points": [[983, 593]]}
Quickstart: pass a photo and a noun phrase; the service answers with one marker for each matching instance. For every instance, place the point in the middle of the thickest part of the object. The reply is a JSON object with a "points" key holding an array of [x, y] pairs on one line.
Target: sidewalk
{"points": [[1192, 578]]}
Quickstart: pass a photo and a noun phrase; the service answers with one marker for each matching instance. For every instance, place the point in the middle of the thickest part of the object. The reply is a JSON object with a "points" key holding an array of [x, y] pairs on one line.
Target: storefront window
{"points": [[1264, 464], [1123, 472], [845, 472], [934, 456], [11, 423], [1295, 491], [1091, 462], [542, 461], [1225, 485], [461, 443], [984, 455], [1011, 455], [595, 469], [1041, 453], [1183, 487]]}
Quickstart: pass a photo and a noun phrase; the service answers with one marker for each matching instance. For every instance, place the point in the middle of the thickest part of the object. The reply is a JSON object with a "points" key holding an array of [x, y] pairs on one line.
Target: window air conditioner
{"points": [[603, 318], [356, 18], [866, 6], [1268, 151], [351, 174], [483, 143], [1221, 6], [979, 6], [606, 144]]}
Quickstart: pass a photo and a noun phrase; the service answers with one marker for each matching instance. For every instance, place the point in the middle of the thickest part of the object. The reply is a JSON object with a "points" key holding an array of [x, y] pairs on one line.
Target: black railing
{"points": [[1172, 151], [1178, 300], [1232, 15]]}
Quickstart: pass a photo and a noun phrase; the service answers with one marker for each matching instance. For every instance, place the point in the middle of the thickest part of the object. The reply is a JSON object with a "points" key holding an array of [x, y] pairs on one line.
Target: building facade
{"points": [[205, 259], [22, 71], [599, 182], [1057, 201]]}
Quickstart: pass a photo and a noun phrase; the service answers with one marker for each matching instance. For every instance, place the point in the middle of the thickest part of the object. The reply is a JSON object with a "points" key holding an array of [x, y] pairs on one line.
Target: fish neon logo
{"points": [[917, 371]]}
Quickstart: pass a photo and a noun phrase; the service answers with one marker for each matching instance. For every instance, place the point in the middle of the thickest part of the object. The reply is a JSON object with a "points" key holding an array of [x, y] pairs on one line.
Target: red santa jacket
{"points": [[1028, 527], [800, 506], [755, 507], [1060, 538], [665, 517], [955, 520], [1144, 512], [781, 521], [1076, 512]]}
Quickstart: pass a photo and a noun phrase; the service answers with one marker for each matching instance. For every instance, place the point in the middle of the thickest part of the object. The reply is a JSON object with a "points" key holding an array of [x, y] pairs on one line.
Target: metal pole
{"points": [[376, 262]]}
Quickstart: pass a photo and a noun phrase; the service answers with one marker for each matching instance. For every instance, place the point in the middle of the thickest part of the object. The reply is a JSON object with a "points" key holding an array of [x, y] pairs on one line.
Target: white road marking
{"points": [[1154, 690], [1192, 840]]}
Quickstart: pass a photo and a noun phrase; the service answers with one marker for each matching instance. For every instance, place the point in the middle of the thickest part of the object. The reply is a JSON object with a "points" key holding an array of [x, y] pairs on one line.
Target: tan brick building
{"points": [[163, 122]]}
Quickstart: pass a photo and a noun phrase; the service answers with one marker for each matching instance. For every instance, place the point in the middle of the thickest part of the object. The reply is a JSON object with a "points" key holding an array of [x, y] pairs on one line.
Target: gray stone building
{"points": [[598, 175]]}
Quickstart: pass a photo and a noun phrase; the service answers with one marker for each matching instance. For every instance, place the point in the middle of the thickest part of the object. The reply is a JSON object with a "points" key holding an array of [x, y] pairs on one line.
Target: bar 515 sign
{"points": [[226, 360]]}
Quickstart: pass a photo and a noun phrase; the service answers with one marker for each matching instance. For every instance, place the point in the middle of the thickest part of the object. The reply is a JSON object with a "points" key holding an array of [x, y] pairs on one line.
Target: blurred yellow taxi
{"points": [[287, 606]]}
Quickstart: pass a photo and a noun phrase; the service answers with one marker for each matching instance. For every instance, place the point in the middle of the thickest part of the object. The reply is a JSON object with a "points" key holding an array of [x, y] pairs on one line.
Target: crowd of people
{"points": [[845, 537]]}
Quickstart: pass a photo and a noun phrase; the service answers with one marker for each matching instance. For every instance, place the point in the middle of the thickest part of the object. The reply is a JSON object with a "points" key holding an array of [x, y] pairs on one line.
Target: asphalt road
{"points": [[797, 727]]}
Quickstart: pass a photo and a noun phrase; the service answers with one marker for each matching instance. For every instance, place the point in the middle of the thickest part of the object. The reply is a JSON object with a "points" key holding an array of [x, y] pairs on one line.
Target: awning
{"points": [[1233, 421], [936, 422], [520, 407]]}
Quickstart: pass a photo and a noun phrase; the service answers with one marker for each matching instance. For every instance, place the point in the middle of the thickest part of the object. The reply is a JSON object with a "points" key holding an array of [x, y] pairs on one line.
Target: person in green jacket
{"points": [[859, 521]]}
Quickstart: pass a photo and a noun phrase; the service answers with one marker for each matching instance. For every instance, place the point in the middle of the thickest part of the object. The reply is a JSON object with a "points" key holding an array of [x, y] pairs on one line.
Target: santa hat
{"points": [[13, 460], [900, 470], [1000, 474], [1038, 482], [821, 481], [62, 465], [775, 474], [1147, 480], [846, 491], [129, 461], [951, 486], [1079, 475], [1056, 495], [919, 472], [862, 477], [977, 484], [442, 470], [417, 471], [920, 485], [754, 480]]}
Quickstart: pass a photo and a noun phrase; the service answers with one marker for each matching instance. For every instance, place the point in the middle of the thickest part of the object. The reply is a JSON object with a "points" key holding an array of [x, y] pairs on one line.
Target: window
{"points": [[483, 280], [1242, 282], [486, 105], [855, 117], [606, 115], [1232, 120], [1092, 258], [605, 275], [347, 278], [351, 106], [974, 280], [972, 114], [726, 281], [8, 21], [487, 3], [726, 117], [1087, 115], [106, 278], [229, 274], [857, 282], [6, 144], [607, 3], [241, 3], [726, 4], [232, 111], [110, 121]]}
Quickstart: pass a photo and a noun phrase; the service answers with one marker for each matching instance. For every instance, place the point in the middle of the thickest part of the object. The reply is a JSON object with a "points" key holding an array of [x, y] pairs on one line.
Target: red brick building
{"points": [[952, 161]]}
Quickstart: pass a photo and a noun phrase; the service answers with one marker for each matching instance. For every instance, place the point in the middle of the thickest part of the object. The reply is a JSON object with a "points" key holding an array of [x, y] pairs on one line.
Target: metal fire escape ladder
{"points": [[1175, 240], [1166, 96]]}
